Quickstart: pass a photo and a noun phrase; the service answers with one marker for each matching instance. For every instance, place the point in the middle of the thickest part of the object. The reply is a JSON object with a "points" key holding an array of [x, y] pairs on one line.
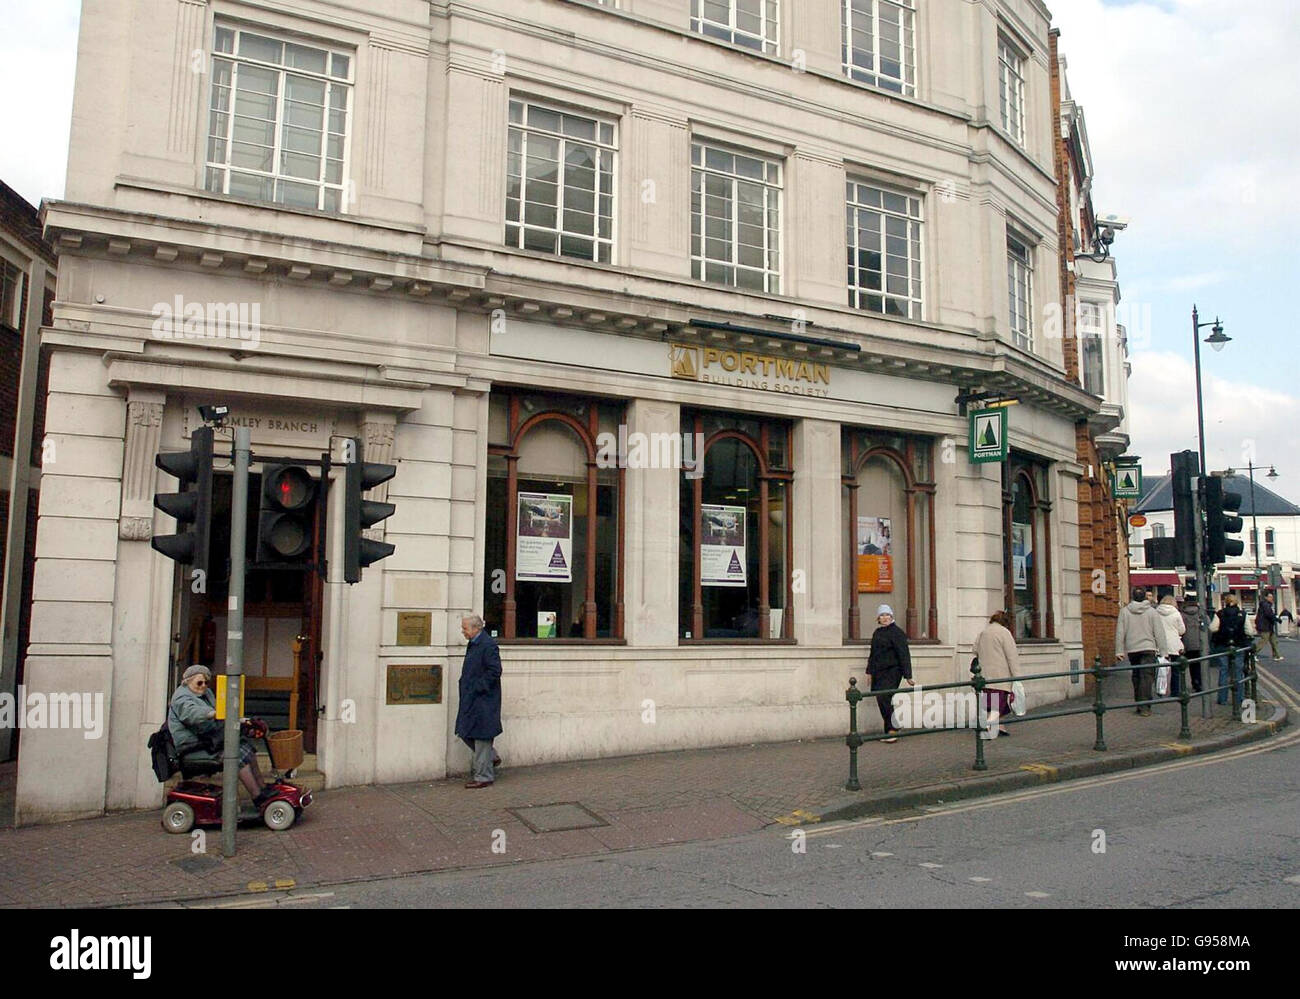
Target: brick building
{"points": [[1096, 357], [22, 414]]}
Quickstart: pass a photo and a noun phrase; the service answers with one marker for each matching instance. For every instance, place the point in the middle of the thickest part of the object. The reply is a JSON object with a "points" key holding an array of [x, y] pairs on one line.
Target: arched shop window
{"points": [[734, 583], [1027, 549], [888, 514], [554, 537]]}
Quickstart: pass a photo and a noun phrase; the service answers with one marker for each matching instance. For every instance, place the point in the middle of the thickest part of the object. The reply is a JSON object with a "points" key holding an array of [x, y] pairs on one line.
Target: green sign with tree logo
{"points": [[988, 435], [1128, 481]]}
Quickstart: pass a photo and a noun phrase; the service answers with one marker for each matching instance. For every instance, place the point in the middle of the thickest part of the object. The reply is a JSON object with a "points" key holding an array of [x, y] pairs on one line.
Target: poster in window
{"points": [[1020, 555], [722, 545], [544, 544], [875, 554]]}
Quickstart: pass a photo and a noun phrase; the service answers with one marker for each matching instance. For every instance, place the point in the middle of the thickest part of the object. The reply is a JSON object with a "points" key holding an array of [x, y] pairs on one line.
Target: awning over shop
{"points": [[1239, 581], [1153, 578]]}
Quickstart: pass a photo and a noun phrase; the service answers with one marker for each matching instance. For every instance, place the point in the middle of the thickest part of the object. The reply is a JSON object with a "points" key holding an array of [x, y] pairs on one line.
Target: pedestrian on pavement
{"points": [[1175, 627], [889, 663], [999, 659], [1229, 633], [1266, 625], [478, 719], [1192, 638], [1140, 636]]}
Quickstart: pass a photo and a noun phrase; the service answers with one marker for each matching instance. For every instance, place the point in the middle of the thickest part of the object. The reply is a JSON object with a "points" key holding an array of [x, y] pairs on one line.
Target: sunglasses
{"points": [[201, 683]]}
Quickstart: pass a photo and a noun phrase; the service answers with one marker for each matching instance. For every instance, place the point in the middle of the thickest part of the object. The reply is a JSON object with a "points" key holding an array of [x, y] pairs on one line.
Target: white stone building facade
{"points": [[480, 234]]}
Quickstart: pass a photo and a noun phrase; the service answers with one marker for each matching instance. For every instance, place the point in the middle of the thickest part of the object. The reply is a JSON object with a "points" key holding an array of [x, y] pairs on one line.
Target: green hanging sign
{"points": [[988, 435], [1128, 481]]}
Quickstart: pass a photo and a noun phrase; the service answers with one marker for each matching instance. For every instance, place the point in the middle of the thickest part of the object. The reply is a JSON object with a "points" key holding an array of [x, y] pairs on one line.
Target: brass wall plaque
{"points": [[414, 684], [414, 627]]}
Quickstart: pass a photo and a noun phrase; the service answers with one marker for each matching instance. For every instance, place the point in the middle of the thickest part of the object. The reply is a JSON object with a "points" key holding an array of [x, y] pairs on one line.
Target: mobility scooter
{"points": [[196, 802]]}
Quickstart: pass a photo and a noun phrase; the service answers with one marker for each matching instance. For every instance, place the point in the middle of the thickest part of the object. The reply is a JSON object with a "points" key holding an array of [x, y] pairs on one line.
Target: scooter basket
{"points": [[285, 749]]}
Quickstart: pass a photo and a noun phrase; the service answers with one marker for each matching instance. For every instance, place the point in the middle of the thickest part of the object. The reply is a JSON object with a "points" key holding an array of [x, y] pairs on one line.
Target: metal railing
{"points": [[1239, 681]]}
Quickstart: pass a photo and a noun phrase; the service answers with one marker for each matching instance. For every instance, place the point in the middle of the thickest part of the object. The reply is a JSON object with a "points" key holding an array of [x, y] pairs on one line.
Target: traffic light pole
{"points": [[235, 640], [1203, 592]]}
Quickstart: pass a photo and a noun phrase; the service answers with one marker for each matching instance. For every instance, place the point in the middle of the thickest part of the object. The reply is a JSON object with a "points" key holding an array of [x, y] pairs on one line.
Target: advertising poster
{"points": [[1019, 555], [875, 555], [722, 545], [544, 546]]}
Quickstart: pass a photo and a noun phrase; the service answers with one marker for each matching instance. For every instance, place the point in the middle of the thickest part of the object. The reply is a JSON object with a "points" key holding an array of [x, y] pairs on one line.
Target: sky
{"points": [[1192, 115]]}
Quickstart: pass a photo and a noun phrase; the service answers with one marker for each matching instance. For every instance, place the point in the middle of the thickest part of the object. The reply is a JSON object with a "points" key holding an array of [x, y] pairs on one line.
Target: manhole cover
{"points": [[560, 817], [200, 863]]}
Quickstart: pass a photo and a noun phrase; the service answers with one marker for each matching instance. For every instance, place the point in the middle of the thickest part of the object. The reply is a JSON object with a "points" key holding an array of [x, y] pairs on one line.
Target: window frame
{"points": [[773, 203], [1020, 266], [520, 224], [1091, 330], [1012, 77], [519, 424], [728, 32], [917, 454], [1270, 543], [767, 473], [915, 224], [1039, 576], [906, 84], [227, 169], [13, 277]]}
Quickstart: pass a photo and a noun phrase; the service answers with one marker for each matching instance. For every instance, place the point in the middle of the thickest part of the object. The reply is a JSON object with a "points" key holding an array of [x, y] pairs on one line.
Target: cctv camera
{"points": [[1117, 222]]}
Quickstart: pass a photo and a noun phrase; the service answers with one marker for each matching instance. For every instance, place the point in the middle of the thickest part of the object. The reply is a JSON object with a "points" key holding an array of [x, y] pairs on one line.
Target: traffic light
{"points": [[284, 519], [1185, 467], [358, 514], [191, 506], [1221, 507]]}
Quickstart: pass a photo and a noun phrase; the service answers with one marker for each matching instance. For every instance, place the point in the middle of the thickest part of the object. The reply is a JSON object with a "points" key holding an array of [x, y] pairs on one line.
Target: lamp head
{"points": [[1217, 338]]}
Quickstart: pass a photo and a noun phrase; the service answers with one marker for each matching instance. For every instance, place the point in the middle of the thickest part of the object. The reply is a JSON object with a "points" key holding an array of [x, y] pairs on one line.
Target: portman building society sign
{"points": [[743, 369]]}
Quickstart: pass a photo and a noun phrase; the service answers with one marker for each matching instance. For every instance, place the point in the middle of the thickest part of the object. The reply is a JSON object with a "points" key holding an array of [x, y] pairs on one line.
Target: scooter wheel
{"points": [[178, 817], [279, 815]]}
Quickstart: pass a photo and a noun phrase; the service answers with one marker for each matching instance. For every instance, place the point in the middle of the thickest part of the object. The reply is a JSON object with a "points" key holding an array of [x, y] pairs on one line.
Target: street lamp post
{"points": [[1215, 340], [1254, 519]]}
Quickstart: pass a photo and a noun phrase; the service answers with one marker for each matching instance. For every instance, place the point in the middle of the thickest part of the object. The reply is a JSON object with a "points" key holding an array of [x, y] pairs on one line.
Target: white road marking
{"points": [[981, 881], [930, 867], [1293, 880], [880, 853], [1037, 894]]}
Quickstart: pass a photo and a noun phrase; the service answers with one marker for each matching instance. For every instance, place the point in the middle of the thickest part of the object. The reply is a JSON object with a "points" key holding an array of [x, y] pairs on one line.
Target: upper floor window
{"points": [[1270, 545], [11, 295], [278, 121], [1020, 290], [879, 42], [735, 219], [560, 183], [884, 241], [1011, 88], [1090, 348], [751, 23]]}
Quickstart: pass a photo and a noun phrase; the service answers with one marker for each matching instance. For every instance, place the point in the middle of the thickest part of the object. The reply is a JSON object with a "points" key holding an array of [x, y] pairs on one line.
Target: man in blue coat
{"points": [[478, 721]]}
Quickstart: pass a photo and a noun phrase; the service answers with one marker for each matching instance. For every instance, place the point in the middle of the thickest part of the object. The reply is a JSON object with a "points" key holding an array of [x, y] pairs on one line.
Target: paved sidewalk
{"points": [[644, 801]]}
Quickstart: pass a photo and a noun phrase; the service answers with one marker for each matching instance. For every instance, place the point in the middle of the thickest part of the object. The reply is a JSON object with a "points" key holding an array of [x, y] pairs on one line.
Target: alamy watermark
{"points": [[181, 320], [653, 450], [933, 709], [83, 711]]}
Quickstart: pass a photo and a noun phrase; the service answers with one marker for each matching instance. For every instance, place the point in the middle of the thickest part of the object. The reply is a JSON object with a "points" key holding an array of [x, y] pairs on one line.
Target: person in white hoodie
{"points": [[1140, 636], [1175, 627]]}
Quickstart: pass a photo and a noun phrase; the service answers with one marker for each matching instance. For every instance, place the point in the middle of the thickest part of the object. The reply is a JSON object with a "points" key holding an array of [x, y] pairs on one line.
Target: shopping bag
{"points": [[1162, 681]]}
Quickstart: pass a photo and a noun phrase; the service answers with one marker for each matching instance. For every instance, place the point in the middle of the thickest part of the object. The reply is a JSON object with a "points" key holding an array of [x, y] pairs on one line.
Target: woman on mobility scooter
{"points": [[196, 733]]}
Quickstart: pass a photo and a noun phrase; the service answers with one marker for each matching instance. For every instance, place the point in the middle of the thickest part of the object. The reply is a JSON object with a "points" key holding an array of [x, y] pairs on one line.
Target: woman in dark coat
{"points": [[889, 664]]}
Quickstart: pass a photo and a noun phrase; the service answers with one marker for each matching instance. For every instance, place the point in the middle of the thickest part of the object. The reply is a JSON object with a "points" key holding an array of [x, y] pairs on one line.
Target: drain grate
{"points": [[200, 863], [559, 817]]}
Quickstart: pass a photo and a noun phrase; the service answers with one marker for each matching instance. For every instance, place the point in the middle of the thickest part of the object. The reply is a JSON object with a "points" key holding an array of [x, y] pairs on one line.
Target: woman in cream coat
{"points": [[999, 660]]}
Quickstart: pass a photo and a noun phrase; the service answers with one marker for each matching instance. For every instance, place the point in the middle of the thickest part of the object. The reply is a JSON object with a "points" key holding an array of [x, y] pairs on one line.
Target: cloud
{"points": [[1190, 115], [38, 61], [1243, 422]]}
